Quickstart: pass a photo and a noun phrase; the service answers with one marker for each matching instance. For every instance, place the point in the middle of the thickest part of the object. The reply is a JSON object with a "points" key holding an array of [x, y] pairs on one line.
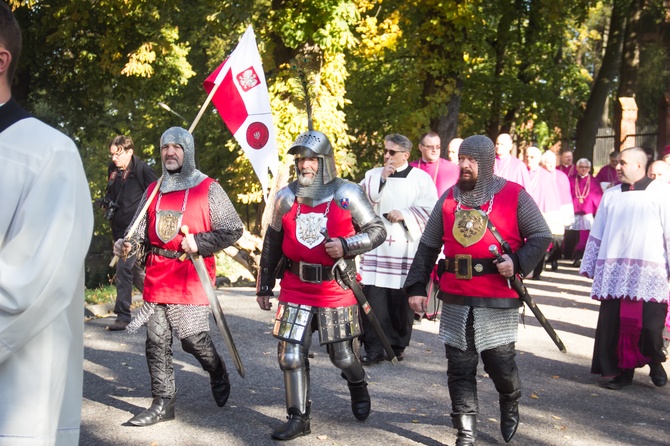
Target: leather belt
{"points": [[465, 267], [311, 272], [166, 252]]}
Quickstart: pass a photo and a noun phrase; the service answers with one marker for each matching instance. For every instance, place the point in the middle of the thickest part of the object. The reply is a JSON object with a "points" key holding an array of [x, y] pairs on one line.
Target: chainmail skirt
{"points": [[493, 326], [187, 320]]}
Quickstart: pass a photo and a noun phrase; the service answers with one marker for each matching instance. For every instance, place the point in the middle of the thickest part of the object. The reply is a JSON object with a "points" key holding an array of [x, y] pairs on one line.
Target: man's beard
{"points": [[466, 185], [304, 180]]}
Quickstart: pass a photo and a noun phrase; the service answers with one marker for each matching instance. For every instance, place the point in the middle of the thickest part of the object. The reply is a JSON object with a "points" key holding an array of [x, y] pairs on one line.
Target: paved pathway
{"points": [[562, 403]]}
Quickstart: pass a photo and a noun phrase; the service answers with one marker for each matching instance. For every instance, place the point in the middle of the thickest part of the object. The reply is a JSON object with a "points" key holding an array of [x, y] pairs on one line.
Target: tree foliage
{"points": [[98, 68]]}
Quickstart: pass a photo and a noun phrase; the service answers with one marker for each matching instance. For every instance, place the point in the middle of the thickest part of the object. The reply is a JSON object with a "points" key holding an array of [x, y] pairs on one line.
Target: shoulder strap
{"points": [[505, 246]]}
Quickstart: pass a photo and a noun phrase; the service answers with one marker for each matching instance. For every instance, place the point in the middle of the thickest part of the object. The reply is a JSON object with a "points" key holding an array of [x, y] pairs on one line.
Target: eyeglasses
{"points": [[583, 167], [117, 153], [435, 147], [391, 152]]}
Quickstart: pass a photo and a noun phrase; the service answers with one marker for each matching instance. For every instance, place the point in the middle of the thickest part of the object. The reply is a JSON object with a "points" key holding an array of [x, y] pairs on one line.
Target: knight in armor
{"points": [[480, 314], [317, 220], [174, 298]]}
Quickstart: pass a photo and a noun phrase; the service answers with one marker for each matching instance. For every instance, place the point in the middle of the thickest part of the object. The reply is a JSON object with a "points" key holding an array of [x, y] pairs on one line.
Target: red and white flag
{"points": [[243, 102]]}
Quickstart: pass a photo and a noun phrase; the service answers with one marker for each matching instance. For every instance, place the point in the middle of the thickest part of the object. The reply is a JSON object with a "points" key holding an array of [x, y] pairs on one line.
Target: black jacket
{"points": [[127, 192]]}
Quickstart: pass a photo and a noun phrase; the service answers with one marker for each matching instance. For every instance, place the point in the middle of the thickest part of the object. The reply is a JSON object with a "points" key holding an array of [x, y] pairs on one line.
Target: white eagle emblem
{"points": [[248, 79], [309, 229]]}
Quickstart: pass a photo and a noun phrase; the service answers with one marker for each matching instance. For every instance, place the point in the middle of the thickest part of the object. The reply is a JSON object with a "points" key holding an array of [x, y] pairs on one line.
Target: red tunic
{"points": [[329, 293], [504, 218], [171, 281]]}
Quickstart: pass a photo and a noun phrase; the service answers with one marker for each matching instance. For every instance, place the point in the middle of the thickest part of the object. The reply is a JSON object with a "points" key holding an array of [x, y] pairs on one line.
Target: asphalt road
{"points": [[562, 403]]}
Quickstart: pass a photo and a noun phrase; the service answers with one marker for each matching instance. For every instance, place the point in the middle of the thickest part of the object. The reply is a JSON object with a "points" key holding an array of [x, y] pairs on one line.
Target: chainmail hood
{"points": [[188, 176], [482, 149]]}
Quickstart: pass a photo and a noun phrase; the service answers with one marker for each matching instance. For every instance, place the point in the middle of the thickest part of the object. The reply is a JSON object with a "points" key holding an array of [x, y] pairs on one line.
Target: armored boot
{"points": [[360, 399], [509, 415], [162, 409], [295, 365], [296, 426], [466, 423]]}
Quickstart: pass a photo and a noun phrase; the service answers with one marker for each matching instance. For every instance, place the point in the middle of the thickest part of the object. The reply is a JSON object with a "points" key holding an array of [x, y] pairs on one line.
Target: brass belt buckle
{"points": [[463, 266]]}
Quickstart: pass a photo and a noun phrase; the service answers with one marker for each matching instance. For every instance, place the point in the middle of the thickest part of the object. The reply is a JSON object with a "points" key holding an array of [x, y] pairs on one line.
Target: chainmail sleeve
{"points": [[226, 224], [534, 229], [427, 253]]}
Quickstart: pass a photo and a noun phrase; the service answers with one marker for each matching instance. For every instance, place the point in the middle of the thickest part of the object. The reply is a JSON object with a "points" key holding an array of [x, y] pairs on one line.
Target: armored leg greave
{"points": [[159, 354], [343, 357], [202, 348], [294, 363]]}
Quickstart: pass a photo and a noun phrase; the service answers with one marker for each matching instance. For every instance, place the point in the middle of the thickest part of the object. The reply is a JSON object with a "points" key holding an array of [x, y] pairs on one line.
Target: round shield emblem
{"points": [[257, 135]]}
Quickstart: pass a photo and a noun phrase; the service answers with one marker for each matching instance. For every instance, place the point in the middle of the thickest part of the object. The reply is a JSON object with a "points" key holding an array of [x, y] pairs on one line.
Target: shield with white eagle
{"points": [[309, 227]]}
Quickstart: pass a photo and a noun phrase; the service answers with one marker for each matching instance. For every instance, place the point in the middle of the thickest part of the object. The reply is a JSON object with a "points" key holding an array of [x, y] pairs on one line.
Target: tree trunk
{"points": [[630, 64], [587, 126]]}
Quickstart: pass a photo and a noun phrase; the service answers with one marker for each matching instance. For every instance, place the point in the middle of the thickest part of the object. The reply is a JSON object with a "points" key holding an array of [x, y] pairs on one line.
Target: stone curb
{"points": [[105, 310]]}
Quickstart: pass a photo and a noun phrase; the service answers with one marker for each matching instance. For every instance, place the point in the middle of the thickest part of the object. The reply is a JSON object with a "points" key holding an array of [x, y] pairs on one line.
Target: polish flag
{"points": [[242, 100]]}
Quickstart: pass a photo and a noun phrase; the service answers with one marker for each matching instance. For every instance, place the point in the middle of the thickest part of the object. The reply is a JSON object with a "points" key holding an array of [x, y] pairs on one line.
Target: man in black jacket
{"points": [[128, 178]]}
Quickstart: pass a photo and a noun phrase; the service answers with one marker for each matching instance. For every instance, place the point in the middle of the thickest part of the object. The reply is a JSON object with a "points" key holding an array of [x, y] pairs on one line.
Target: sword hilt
{"points": [[184, 230], [493, 249]]}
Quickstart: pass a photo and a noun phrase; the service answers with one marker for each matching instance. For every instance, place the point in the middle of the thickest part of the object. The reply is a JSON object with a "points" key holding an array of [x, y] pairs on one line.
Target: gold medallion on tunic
{"points": [[469, 227], [168, 224]]}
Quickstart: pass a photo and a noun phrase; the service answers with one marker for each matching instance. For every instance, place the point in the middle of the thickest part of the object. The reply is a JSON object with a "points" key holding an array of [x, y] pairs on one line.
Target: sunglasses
{"points": [[391, 152]]}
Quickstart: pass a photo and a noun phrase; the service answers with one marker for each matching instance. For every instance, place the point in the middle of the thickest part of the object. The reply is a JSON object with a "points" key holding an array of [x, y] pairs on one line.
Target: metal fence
{"points": [[645, 138]]}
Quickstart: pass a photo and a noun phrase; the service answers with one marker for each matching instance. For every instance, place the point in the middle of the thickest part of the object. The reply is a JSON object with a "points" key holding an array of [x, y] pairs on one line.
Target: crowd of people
{"points": [[356, 263]]}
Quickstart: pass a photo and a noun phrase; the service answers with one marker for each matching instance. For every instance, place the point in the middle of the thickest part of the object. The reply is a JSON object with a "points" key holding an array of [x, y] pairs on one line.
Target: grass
{"points": [[100, 295], [225, 266]]}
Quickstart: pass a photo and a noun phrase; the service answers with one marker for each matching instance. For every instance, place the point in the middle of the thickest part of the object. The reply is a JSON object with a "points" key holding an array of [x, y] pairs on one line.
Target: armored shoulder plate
{"points": [[351, 197], [283, 203]]}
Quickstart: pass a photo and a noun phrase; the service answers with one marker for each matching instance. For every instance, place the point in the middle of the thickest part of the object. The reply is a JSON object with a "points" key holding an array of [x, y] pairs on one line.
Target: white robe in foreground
{"points": [[46, 224], [387, 265]]}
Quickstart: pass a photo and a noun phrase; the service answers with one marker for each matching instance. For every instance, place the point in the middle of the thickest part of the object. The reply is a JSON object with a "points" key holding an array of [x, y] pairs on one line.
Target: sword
{"points": [[219, 318], [525, 297], [352, 283]]}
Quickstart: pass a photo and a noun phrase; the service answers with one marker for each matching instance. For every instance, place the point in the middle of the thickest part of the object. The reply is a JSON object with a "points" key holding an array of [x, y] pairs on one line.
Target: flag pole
{"points": [[204, 106]]}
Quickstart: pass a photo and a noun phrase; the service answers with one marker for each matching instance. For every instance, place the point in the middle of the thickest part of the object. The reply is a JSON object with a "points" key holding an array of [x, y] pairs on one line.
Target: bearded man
{"points": [[314, 224], [480, 314]]}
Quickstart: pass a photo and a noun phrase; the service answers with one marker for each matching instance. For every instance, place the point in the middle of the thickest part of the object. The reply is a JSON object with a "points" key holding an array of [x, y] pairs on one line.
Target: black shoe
{"points": [[399, 355], [372, 358], [658, 375], [118, 326], [554, 265], [625, 379], [162, 409], [509, 419], [360, 400], [221, 388], [296, 426]]}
